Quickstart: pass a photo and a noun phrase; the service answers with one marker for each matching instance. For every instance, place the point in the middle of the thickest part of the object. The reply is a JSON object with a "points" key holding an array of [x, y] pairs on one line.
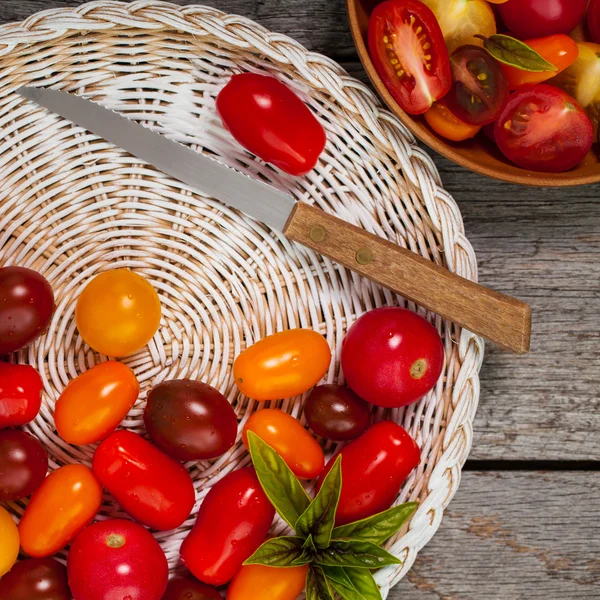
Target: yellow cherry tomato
{"points": [[255, 581], [441, 119], [9, 542], [118, 313]]}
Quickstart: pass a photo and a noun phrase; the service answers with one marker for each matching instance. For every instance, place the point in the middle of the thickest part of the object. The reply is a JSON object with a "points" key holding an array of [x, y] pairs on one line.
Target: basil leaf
{"points": [[279, 552], [277, 480], [379, 527], [338, 575], [516, 53], [309, 543], [304, 559], [363, 586], [319, 518], [317, 586], [355, 553]]}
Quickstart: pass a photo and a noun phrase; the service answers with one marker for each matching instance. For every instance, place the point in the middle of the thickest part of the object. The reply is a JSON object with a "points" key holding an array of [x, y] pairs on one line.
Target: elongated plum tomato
{"points": [[269, 120], [374, 467], [117, 559], [408, 50], [62, 506], [392, 357], [20, 394], [282, 365], [544, 129], [36, 579], [256, 581], [446, 124], [93, 404], [188, 588], [232, 523], [593, 20], [150, 486], [9, 542], [118, 313], [289, 439], [26, 307]]}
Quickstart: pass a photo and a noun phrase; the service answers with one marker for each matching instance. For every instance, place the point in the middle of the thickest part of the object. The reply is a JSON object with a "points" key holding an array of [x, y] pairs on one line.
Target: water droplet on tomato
{"points": [[164, 417], [183, 446], [160, 407]]}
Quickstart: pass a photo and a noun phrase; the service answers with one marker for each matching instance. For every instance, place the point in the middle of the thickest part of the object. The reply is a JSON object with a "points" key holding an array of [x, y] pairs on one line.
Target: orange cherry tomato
{"points": [[289, 439], [255, 581], [441, 119], [282, 365], [9, 542], [93, 404], [558, 49], [63, 505], [497, 1], [118, 313]]}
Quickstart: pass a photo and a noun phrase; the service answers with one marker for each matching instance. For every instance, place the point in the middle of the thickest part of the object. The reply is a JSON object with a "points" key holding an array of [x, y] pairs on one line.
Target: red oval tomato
{"points": [[93, 405], [62, 506], [544, 129], [114, 560], [593, 20], [392, 357], [150, 486], [188, 588], [289, 439], [374, 466], [20, 394], [255, 581], [232, 523], [537, 18], [36, 579], [269, 120], [408, 50]]}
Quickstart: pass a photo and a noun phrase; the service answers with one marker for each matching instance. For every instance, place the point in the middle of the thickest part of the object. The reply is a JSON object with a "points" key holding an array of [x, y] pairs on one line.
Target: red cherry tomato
{"points": [[537, 18], [255, 581], [269, 120], [374, 466], [150, 486], [20, 394], [188, 588], [544, 129], [593, 19], [232, 523], [36, 579], [392, 357], [114, 560], [408, 50]]}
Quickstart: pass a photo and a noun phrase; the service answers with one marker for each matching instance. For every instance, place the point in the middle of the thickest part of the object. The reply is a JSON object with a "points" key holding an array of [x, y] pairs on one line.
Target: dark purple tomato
{"points": [[190, 420], [188, 588], [26, 307], [36, 579], [336, 413], [23, 464]]}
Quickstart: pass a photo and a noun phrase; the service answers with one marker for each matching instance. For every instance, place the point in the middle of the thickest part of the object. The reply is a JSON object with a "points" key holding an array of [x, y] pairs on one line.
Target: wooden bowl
{"points": [[479, 154]]}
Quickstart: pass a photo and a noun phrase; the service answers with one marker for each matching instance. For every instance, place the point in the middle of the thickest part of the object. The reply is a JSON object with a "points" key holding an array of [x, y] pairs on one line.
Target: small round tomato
{"points": [[36, 579], [289, 439], [232, 523], [117, 559], [336, 413], [255, 581], [9, 542], [445, 123], [20, 394], [374, 467], [392, 357], [62, 506], [190, 420], [537, 18], [150, 486], [118, 313], [593, 20], [282, 365], [188, 588], [23, 464], [407, 48], [544, 129], [93, 405]]}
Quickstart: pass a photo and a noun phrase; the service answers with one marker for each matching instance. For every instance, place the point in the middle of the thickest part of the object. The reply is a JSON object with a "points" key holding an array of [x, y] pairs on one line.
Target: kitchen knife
{"points": [[499, 318]]}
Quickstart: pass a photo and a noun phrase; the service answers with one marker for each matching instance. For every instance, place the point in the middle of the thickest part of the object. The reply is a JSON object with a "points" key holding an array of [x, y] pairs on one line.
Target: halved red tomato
{"points": [[408, 50]]}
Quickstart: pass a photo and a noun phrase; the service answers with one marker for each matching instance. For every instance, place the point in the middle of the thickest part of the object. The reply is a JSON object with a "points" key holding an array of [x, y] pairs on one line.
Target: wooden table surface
{"points": [[525, 523]]}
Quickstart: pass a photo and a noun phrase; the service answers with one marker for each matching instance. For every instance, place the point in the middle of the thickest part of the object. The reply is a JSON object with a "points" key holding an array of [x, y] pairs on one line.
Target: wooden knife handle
{"points": [[499, 318]]}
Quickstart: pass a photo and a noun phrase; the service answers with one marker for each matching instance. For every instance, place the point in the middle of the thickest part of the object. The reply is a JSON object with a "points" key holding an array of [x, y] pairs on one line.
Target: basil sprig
{"points": [[515, 53]]}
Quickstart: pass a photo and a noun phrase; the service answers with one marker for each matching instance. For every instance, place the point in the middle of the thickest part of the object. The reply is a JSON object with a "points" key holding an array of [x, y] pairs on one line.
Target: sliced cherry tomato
{"points": [[445, 123], [289, 439], [560, 50], [118, 313], [9, 542], [282, 365], [593, 20], [188, 588], [538, 18], [232, 523], [544, 129], [63, 505], [269, 120], [150, 486], [20, 394], [93, 405], [374, 467], [407, 48], [36, 579], [255, 581]]}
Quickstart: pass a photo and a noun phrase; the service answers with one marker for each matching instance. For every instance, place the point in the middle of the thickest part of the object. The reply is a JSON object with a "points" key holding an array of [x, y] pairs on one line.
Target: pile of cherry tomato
{"points": [[534, 89]]}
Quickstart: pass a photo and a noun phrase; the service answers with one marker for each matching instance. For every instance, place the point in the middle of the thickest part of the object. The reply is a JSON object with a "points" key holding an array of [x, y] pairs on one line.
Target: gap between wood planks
{"points": [[527, 465]]}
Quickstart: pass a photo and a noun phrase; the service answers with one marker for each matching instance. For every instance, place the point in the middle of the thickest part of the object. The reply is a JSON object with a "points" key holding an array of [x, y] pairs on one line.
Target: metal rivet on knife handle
{"points": [[318, 234], [364, 256]]}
